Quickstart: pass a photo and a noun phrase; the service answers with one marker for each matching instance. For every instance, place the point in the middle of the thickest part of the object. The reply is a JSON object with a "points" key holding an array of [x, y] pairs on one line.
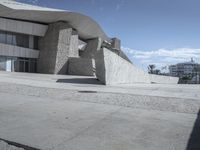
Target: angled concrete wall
{"points": [[56, 47], [112, 69]]}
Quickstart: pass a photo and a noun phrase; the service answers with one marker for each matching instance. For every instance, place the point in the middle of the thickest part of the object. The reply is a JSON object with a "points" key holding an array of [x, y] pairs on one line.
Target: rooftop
{"points": [[86, 27]]}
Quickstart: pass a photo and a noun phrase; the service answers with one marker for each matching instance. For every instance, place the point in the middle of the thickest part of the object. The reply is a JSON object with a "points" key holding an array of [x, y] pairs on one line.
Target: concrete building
{"points": [[188, 72], [43, 40], [184, 69]]}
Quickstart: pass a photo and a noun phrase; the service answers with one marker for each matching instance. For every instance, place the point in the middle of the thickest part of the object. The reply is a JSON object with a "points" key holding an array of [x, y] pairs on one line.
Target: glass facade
{"points": [[17, 39], [18, 64], [3, 63], [25, 65]]}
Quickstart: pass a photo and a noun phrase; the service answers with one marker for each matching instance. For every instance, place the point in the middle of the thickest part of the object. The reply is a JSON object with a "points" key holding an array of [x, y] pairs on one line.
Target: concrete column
{"points": [[91, 48], [56, 47], [85, 65]]}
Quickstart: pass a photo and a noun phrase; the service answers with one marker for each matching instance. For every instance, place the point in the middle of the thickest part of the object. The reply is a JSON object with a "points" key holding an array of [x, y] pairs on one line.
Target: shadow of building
{"points": [[194, 141], [80, 81]]}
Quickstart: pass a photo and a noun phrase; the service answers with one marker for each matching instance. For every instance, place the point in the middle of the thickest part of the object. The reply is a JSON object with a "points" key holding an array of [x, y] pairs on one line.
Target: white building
{"points": [[183, 69]]}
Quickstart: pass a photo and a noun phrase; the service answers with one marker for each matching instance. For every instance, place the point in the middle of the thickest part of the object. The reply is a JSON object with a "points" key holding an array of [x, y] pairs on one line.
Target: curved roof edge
{"points": [[86, 27]]}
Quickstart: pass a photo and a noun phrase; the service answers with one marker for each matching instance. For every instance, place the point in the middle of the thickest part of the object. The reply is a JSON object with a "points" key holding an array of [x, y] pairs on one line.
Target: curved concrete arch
{"points": [[86, 27]]}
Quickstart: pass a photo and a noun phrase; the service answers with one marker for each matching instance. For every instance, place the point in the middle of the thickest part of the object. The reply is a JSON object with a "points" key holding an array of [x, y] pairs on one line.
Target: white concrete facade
{"points": [[23, 27]]}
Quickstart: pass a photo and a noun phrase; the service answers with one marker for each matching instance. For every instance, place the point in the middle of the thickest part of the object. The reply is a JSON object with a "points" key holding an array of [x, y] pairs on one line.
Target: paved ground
{"points": [[63, 112], [6, 146]]}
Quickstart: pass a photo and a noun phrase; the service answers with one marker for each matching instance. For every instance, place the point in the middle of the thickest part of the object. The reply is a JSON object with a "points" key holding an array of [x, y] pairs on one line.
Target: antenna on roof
{"points": [[192, 60]]}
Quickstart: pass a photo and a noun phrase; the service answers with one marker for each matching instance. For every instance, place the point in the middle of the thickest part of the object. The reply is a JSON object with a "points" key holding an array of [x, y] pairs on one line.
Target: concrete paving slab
{"points": [[43, 123], [38, 112], [50, 81], [58, 124], [6, 146]]}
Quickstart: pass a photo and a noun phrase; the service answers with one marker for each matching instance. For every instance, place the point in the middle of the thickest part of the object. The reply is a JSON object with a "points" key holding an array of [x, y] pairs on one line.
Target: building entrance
{"points": [[18, 64], [25, 65]]}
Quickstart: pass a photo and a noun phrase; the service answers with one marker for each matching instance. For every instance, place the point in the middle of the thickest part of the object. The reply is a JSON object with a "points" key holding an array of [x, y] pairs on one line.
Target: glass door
{"points": [[9, 65], [2, 63]]}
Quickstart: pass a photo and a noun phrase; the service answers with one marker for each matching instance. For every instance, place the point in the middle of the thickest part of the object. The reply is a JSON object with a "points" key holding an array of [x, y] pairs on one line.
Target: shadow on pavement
{"points": [[18, 145], [80, 81], [194, 141]]}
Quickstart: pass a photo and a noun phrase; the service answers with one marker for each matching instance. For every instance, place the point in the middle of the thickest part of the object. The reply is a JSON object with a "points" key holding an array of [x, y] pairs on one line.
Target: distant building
{"points": [[186, 69], [183, 69]]}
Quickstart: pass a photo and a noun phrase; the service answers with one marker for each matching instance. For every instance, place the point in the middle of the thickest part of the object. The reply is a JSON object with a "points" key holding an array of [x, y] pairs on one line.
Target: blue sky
{"points": [[160, 32]]}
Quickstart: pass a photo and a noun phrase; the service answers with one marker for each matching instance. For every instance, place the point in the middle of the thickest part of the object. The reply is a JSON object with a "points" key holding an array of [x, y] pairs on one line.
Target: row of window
{"points": [[18, 39]]}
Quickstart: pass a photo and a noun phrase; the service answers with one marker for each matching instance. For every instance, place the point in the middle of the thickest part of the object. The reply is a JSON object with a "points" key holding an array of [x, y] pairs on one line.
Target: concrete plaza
{"points": [[53, 112]]}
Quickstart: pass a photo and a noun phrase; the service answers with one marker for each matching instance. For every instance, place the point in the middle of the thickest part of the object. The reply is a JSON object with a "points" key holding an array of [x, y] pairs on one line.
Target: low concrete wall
{"points": [[112, 69], [163, 79], [81, 66]]}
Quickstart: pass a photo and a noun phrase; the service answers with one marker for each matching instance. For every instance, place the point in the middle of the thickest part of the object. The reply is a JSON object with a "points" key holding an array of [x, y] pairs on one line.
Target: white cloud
{"points": [[34, 1], [162, 57], [119, 4], [29, 1]]}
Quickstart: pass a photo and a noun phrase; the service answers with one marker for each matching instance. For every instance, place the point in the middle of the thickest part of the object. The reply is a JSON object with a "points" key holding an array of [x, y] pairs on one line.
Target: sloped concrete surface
{"points": [[37, 111], [112, 69], [6, 146]]}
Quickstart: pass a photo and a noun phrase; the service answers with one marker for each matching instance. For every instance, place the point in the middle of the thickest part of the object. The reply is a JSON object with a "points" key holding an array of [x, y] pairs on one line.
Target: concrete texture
{"points": [[163, 79], [81, 66], [92, 47], [6, 146], [56, 47], [112, 69], [92, 84], [38, 112]]}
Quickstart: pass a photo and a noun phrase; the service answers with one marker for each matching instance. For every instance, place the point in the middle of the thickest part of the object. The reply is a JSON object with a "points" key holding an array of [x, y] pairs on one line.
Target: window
{"points": [[17, 39], [2, 37], [36, 39], [9, 38], [22, 40]]}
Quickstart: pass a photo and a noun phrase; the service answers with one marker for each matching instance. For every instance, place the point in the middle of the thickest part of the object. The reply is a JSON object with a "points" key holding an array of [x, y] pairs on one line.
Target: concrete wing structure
{"points": [[86, 27], [45, 40]]}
